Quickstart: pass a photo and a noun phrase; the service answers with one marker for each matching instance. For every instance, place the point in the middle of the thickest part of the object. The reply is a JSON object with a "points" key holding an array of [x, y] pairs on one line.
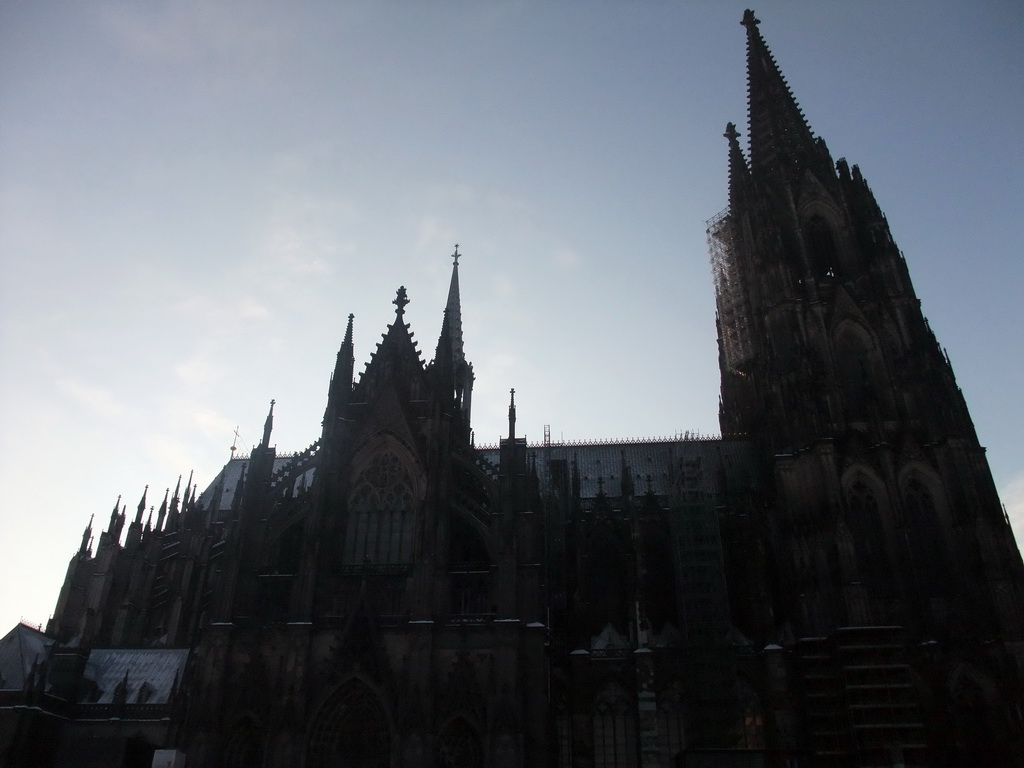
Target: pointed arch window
{"points": [[861, 372], [615, 743], [925, 537], [853, 369], [671, 727], [380, 527], [289, 550], [563, 733], [469, 569], [865, 524], [351, 731], [821, 246]]}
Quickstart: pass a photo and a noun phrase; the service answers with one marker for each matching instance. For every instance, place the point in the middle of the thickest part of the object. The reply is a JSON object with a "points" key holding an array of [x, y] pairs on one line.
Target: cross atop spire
{"points": [[401, 300], [455, 256]]}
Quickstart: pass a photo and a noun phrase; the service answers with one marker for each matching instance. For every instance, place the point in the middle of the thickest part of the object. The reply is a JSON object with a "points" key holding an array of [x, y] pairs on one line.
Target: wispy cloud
{"points": [[220, 313], [567, 257], [189, 29], [212, 424], [168, 451], [434, 234], [201, 368], [97, 399], [297, 251]]}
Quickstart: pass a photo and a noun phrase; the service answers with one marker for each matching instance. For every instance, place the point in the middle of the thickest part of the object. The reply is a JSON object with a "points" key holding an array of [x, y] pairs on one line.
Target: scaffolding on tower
{"points": [[733, 319]]}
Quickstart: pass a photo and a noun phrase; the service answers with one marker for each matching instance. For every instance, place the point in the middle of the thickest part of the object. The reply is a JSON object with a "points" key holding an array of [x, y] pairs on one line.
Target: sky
{"points": [[194, 195]]}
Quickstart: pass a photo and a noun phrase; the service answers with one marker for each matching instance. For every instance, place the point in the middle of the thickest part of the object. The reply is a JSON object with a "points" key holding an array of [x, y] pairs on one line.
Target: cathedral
{"points": [[832, 582]]}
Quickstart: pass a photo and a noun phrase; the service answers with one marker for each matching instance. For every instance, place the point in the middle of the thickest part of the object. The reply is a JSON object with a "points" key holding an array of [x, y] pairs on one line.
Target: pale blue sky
{"points": [[194, 195]]}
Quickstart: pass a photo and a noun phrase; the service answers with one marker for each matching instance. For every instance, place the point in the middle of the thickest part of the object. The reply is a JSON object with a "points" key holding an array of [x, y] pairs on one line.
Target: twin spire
{"points": [[396, 355], [780, 138]]}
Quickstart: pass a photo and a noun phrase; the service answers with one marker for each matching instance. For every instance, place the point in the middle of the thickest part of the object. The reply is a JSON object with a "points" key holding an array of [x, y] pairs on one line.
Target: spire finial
{"points": [[749, 19], [348, 329], [114, 515], [267, 426], [86, 536], [512, 414], [453, 314], [401, 300], [162, 513], [738, 170], [142, 505]]}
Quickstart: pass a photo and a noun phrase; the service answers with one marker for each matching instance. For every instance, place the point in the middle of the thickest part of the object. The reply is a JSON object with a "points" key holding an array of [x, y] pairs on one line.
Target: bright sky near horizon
{"points": [[194, 195]]}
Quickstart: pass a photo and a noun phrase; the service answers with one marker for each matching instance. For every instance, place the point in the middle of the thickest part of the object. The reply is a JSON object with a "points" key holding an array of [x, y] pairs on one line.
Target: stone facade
{"points": [[831, 583]]}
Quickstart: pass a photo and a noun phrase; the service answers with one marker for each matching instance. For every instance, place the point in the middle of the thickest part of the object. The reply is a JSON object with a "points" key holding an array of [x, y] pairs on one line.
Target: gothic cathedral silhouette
{"points": [[833, 582]]}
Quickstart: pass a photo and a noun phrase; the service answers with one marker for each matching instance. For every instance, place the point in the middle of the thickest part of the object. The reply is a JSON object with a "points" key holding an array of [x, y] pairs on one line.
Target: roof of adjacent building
{"points": [[19, 650]]}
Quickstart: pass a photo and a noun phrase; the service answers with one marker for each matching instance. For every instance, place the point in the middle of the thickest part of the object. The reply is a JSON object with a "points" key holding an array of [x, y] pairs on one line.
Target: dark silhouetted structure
{"points": [[831, 583]]}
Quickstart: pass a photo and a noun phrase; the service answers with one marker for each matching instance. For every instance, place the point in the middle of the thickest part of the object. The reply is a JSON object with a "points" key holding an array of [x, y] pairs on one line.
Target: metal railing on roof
{"points": [[684, 437]]}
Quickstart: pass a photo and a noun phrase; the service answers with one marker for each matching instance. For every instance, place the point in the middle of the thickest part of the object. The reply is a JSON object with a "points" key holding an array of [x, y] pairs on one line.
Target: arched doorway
{"points": [[351, 731]]}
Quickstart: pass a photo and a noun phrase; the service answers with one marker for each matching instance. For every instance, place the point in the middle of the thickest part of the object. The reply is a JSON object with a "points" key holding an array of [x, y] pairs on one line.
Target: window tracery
{"points": [[854, 371], [380, 528], [865, 524], [922, 519], [821, 247], [614, 729], [671, 726], [289, 550], [469, 569]]}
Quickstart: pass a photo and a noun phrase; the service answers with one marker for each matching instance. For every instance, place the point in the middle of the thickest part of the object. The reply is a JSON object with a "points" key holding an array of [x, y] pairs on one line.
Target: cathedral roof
{"points": [[220, 493], [641, 466], [158, 669]]}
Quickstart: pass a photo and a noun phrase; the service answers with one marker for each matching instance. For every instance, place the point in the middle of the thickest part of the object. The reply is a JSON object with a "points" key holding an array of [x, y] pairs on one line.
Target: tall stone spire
{"points": [[268, 425], [142, 506], [341, 379], [739, 173], [455, 374], [115, 515], [162, 513], [86, 537], [453, 309], [779, 133], [512, 414]]}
